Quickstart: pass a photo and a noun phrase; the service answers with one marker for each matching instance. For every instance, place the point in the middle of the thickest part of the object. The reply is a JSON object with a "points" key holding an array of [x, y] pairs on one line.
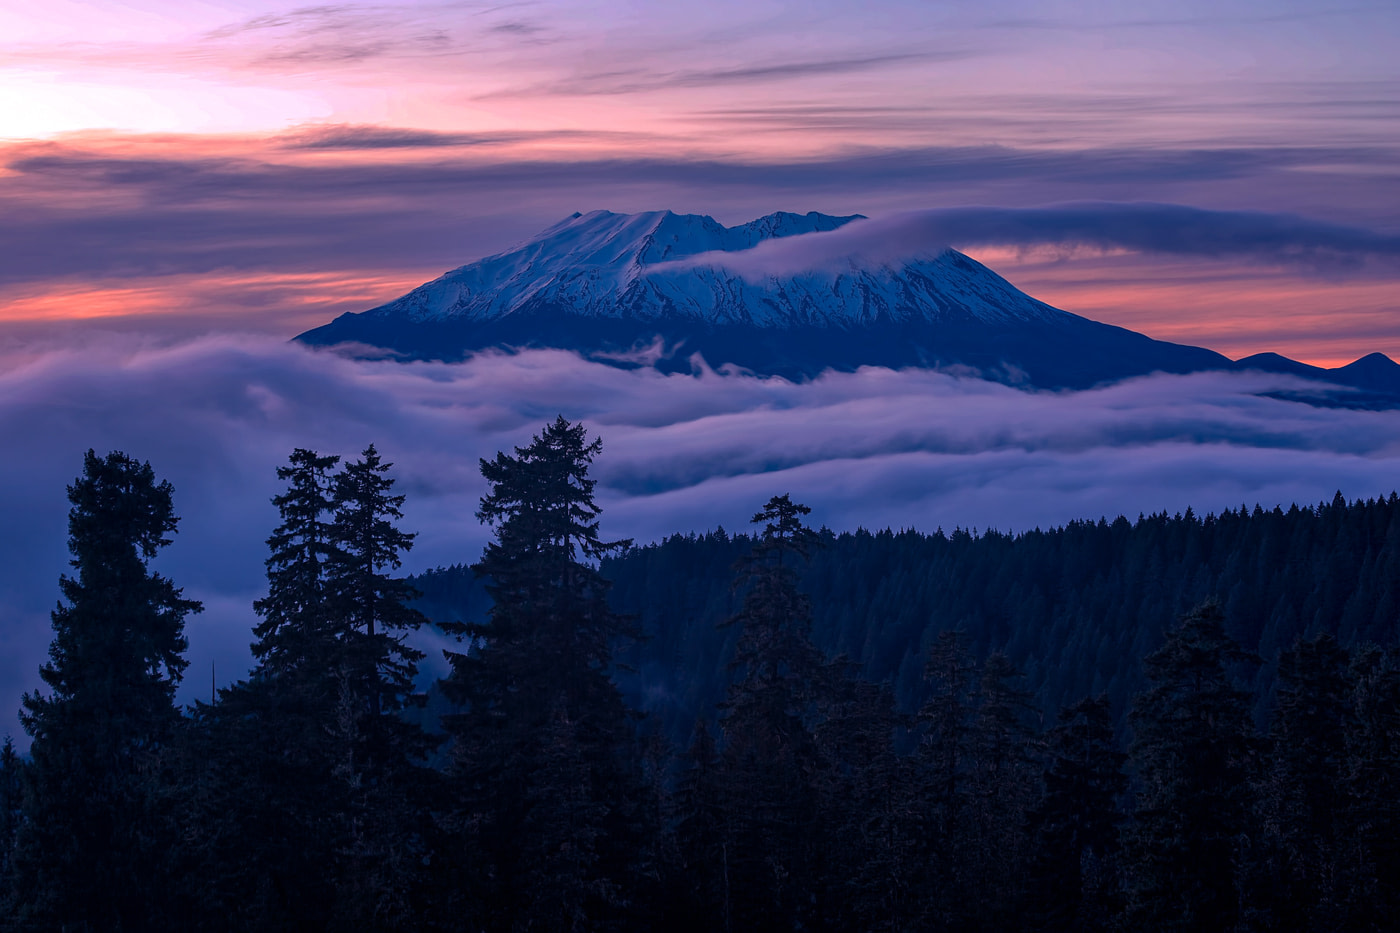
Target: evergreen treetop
{"points": [[298, 623]]}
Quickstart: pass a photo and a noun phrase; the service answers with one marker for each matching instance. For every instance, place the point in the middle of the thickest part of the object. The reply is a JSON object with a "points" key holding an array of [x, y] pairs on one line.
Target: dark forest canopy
{"points": [[1076, 608], [1178, 723]]}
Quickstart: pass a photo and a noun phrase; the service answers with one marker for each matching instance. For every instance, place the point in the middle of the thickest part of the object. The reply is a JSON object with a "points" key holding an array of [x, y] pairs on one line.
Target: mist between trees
{"points": [[1174, 724]]}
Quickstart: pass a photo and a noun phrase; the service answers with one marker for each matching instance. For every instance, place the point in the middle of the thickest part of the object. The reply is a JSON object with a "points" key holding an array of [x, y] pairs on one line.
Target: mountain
{"points": [[660, 287]]}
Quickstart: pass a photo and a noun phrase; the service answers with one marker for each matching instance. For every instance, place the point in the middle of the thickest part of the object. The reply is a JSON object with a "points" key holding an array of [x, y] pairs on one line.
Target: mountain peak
{"points": [[608, 265], [610, 285]]}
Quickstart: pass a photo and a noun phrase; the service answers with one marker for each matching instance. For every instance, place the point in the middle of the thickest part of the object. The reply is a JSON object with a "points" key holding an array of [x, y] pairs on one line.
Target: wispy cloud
{"points": [[1276, 239], [337, 34], [634, 80], [88, 210]]}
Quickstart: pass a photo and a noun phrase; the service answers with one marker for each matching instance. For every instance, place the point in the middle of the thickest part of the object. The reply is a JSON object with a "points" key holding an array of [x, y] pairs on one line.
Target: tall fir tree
{"points": [[541, 710], [367, 546], [1196, 755], [300, 631], [308, 770], [771, 760], [270, 755], [95, 836], [381, 759]]}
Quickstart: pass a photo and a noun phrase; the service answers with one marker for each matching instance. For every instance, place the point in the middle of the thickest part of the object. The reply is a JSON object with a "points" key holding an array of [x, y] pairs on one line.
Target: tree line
{"points": [[1076, 608], [319, 794]]}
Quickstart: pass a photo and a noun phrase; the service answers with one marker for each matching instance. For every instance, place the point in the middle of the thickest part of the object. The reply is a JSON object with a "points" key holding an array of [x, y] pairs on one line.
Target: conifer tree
{"points": [[373, 603], [273, 745], [299, 634], [380, 757], [313, 777], [771, 760], [541, 708], [95, 836], [1195, 753]]}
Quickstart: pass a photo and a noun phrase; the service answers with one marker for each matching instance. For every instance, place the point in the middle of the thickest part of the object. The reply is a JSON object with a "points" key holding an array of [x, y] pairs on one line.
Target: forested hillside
{"points": [[1076, 608], [872, 732]]}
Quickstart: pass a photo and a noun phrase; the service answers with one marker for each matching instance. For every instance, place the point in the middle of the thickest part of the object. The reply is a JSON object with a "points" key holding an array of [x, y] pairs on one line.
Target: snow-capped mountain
{"points": [[788, 294], [660, 265]]}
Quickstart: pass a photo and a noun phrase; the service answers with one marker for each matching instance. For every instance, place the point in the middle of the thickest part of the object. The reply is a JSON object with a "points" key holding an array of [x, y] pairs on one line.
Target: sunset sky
{"points": [[182, 167]]}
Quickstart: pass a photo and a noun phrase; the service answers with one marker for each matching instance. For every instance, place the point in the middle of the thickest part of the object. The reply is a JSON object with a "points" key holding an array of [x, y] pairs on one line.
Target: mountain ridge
{"points": [[607, 284]]}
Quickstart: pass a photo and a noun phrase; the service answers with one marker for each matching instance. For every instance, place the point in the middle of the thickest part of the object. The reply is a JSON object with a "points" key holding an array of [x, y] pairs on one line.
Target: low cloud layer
{"points": [[1169, 229], [873, 448]]}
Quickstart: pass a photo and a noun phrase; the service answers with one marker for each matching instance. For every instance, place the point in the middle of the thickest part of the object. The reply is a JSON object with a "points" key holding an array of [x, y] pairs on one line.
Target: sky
{"points": [[186, 185], [264, 166]]}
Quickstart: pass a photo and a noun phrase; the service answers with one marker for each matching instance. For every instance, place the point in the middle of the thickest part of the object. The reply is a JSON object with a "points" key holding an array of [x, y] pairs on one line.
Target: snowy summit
{"points": [[659, 265], [786, 294]]}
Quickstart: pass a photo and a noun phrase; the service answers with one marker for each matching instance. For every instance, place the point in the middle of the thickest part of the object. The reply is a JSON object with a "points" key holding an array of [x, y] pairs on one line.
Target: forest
{"points": [[1178, 724]]}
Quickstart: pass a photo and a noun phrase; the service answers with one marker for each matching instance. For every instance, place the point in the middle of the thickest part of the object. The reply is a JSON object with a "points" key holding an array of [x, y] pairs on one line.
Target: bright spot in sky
{"points": [[36, 104]]}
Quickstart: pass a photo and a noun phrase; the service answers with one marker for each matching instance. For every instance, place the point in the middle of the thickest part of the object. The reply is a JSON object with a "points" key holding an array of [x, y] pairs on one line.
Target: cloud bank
{"points": [[1169, 229], [873, 448]]}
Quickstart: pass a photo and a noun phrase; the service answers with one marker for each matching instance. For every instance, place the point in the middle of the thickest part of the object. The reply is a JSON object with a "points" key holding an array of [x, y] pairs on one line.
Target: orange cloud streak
{"points": [[286, 303]]}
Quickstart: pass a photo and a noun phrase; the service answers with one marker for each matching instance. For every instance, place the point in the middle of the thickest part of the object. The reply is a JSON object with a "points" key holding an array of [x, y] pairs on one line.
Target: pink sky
{"points": [[246, 164]]}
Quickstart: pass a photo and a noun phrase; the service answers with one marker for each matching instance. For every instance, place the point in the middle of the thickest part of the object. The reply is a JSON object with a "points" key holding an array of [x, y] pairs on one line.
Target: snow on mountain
{"points": [[787, 294], [662, 265]]}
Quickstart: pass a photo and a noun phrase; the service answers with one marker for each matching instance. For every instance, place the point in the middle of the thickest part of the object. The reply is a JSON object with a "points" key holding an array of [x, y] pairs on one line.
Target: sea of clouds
{"points": [[874, 448]]}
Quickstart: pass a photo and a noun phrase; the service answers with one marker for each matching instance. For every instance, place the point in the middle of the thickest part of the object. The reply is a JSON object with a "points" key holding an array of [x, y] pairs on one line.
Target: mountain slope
{"points": [[616, 285]]}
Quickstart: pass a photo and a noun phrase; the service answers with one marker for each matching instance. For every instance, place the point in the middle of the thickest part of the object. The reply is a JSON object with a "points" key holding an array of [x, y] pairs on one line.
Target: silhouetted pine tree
{"points": [[770, 759], [374, 604], [541, 709], [380, 753], [1195, 753], [270, 809], [300, 632], [96, 835]]}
